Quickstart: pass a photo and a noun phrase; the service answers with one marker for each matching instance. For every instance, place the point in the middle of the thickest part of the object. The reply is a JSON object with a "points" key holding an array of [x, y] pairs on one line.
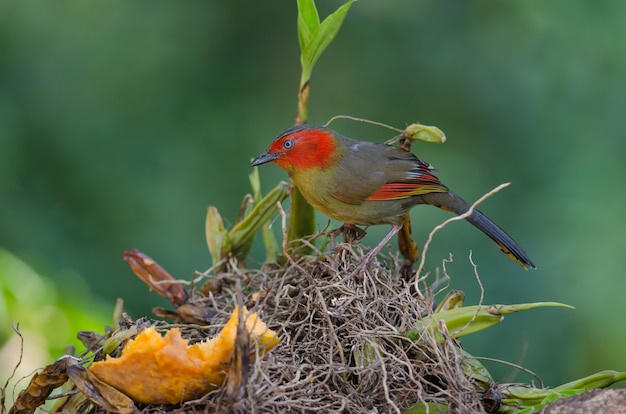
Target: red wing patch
{"points": [[419, 180], [396, 191]]}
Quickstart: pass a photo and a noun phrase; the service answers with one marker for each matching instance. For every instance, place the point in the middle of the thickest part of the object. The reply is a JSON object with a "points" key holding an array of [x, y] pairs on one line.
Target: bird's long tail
{"points": [[452, 202]]}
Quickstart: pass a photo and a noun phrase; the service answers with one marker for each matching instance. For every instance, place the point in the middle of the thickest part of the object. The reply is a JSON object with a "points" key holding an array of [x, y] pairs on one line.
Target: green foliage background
{"points": [[120, 122]]}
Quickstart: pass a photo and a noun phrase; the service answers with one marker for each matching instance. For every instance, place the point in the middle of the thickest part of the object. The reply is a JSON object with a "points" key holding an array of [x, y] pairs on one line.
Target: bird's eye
{"points": [[288, 144]]}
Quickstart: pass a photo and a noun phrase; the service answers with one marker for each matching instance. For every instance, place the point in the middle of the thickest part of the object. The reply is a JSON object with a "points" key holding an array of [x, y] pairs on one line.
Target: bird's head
{"points": [[301, 148]]}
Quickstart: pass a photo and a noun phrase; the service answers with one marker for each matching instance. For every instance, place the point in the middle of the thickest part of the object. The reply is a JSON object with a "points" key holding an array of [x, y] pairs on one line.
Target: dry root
{"points": [[342, 345]]}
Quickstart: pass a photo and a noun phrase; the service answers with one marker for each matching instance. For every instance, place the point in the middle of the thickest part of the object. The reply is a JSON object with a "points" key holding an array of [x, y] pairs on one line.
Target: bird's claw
{"points": [[351, 233]]}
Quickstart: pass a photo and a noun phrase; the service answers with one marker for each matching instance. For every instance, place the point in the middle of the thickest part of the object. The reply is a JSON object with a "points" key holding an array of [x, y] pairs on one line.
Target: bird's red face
{"points": [[300, 148]]}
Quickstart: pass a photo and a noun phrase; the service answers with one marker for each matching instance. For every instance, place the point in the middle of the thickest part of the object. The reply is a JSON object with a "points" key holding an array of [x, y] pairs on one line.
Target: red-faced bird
{"points": [[366, 183]]}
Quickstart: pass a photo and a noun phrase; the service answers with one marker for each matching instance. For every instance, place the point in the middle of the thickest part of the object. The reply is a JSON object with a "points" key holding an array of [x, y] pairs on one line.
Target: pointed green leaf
{"points": [[242, 250], [470, 319], [255, 183], [249, 202], [600, 379], [320, 38], [269, 240], [216, 235], [270, 243], [308, 21], [259, 215]]}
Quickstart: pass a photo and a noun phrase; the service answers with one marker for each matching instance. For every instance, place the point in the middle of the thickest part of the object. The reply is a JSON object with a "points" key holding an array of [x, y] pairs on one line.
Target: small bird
{"points": [[367, 183]]}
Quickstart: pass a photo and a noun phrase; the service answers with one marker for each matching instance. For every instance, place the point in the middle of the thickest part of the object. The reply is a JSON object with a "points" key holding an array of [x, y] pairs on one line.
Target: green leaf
{"points": [[424, 133], [453, 300], [600, 379], [521, 399], [527, 399], [117, 338], [216, 235], [255, 183], [319, 38], [256, 215], [308, 21], [474, 370], [259, 215], [470, 319], [270, 243], [269, 240]]}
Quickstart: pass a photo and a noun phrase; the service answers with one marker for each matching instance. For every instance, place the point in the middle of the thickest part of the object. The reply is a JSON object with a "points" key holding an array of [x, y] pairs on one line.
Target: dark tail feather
{"points": [[451, 202]]}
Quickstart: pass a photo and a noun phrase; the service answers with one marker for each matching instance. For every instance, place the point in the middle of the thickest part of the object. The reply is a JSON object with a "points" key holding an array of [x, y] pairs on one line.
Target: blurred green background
{"points": [[120, 122]]}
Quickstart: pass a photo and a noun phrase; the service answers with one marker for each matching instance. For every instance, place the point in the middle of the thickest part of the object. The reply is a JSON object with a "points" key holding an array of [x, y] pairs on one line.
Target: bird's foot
{"points": [[350, 233], [361, 267]]}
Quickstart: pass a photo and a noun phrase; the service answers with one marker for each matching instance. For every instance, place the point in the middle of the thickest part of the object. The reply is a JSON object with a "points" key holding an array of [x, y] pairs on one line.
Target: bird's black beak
{"points": [[264, 158]]}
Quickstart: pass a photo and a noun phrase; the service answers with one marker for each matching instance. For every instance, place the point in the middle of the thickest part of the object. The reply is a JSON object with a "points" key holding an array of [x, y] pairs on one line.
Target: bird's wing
{"points": [[370, 171]]}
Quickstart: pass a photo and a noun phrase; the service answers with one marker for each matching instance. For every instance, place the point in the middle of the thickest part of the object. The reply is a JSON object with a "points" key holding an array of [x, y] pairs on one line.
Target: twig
{"points": [[367, 121], [511, 364], [16, 328], [463, 216], [283, 216], [482, 295]]}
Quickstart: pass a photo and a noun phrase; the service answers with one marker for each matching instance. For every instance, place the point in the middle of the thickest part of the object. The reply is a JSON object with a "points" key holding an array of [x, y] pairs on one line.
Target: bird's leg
{"points": [[407, 247], [372, 253]]}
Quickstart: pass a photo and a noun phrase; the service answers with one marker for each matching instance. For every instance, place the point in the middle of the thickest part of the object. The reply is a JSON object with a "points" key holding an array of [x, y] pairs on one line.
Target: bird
{"points": [[366, 183]]}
